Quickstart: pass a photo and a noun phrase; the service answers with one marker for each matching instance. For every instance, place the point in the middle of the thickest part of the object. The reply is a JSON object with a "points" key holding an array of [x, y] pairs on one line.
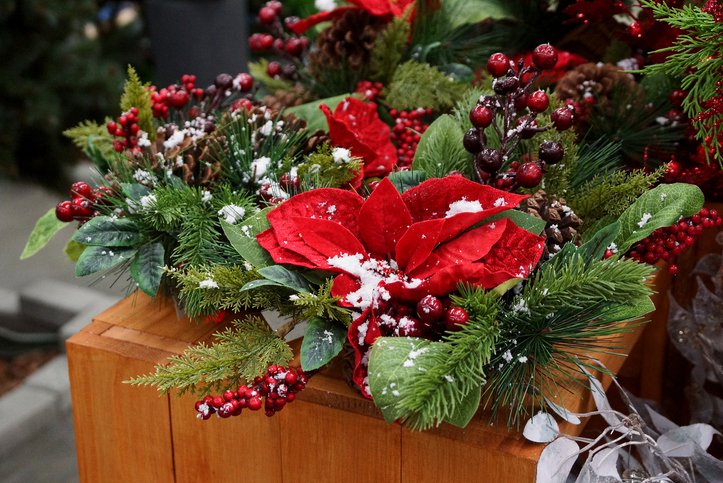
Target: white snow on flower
{"points": [[370, 274], [232, 214], [362, 333], [206, 196], [266, 129], [175, 139], [522, 359], [259, 166], [507, 356], [644, 220], [499, 202], [144, 177], [208, 283], [331, 210], [148, 201], [341, 155], [463, 206]]}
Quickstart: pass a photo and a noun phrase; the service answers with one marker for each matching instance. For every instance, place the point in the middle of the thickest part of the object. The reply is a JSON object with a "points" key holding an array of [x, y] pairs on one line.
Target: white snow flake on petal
{"points": [[463, 206]]}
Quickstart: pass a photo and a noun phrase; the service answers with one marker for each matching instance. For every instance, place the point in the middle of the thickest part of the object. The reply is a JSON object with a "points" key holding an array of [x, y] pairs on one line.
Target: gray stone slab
{"points": [[53, 376], [10, 310], [26, 411]]}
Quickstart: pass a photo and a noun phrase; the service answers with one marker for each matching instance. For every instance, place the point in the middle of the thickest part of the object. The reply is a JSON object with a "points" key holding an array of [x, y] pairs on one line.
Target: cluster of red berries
{"points": [[175, 96], [277, 387], [669, 242], [512, 112], [126, 128], [278, 41], [406, 133], [430, 318], [81, 206], [370, 90]]}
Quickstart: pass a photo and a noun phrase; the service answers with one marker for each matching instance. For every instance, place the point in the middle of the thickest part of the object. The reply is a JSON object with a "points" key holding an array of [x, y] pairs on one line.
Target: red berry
{"points": [[275, 6], [561, 118], [229, 395], [178, 99], [274, 69], [294, 47], [290, 378], [544, 56], [538, 101], [481, 116], [498, 64], [80, 189], [81, 208], [267, 15], [245, 82], [430, 309], [551, 152], [64, 211], [673, 270], [409, 327], [112, 126], [635, 30], [529, 175], [455, 318], [254, 403], [218, 401]]}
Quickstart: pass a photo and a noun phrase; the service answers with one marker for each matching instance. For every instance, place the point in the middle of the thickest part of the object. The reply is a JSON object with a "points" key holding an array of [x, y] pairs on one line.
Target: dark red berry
{"points": [[498, 64], [673, 269], [430, 309], [274, 69], [81, 208], [505, 85], [544, 56], [489, 160], [275, 6], [551, 152], [538, 101], [528, 175], [81, 189], [294, 47], [455, 318], [254, 403], [481, 116], [177, 100], [472, 141], [561, 118], [64, 211]]}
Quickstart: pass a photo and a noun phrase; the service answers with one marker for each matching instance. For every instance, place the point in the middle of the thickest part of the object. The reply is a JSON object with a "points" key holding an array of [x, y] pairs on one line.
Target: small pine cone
{"points": [[282, 99], [315, 140], [596, 80], [563, 225], [348, 42], [189, 159]]}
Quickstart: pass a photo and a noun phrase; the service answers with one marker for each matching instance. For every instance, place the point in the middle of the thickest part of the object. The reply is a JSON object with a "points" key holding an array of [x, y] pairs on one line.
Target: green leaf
{"points": [[631, 310], [285, 277], [147, 267], [594, 249], [523, 220], [440, 150], [134, 191], [662, 206], [504, 287], [323, 340], [98, 259], [463, 12], [259, 283], [458, 72], [73, 249], [465, 409], [105, 231], [242, 237], [403, 180], [311, 113], [45, 229]]}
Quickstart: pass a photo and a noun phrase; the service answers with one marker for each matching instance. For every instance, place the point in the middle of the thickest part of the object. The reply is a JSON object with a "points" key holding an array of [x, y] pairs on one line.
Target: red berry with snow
{"points": [[498, 64], [430, 309], [267, 15], [528, 175], [481, 116], [455, 318], [538, 101], [81, 189], [544, 56], [561, 118]]}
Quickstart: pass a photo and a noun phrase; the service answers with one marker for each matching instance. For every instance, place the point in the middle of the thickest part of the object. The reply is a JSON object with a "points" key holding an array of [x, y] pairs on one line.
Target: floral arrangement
{"points": [[470, 225]]}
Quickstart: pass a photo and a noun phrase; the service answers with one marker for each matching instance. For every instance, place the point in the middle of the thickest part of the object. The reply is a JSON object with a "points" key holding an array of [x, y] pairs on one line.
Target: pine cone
{"points": [[316, 139], [282, 99], [563, 225], [348, 42], [596, 80]]}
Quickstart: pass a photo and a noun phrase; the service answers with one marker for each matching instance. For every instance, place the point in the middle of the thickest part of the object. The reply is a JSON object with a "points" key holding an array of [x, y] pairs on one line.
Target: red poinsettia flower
{"points": [[379, 8], [356, 125], [397, 248]]}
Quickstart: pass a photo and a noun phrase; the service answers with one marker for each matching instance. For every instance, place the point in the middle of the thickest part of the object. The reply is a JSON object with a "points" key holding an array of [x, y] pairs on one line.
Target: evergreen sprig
{"points": [[421, 85], [136, 94], [320, 305], [570, 309], [238, 355], [90, 131], [694, 58], [389, 48]]}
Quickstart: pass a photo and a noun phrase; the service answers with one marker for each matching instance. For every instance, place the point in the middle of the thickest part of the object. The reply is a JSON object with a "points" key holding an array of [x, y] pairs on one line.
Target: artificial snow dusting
{"points": [[463, 206], [409, 362], [232, 214], [644, 220], [499, 202], [341, 155], [208, 283], [370, 274], [148, 201], [259, 166]]}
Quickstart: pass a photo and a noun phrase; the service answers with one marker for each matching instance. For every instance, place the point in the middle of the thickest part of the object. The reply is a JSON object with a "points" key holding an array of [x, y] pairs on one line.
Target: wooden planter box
{"points": [[329, 434]]}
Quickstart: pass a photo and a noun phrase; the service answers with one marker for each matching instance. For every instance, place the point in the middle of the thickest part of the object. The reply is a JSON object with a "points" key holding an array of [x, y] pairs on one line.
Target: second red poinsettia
{"points": [[379, 8], [356, 125], [392, 249]]}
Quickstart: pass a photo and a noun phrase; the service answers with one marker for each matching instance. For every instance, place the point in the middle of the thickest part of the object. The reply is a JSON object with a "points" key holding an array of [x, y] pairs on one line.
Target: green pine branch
{"points": [[91, 132], [571, 307], [389, 48], [239, 354], [135, 94], [320, 305], [421, 85]]}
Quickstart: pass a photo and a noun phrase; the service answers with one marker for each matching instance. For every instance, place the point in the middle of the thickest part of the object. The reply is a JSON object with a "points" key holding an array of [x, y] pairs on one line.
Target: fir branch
{"points": [[598, 158], [204, 290], [238, 355], [321, 304], [135, 94], [389, 47], [319, 170], [421, 85], [572, 306], [90, 131]]}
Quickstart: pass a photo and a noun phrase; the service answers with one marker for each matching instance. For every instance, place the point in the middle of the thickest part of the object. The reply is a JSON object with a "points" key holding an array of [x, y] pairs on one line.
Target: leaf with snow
{"points": [[541, 428], [556, 461], [98, 259], [323, 340], [242, 237], [681, 442], [568, 416]]}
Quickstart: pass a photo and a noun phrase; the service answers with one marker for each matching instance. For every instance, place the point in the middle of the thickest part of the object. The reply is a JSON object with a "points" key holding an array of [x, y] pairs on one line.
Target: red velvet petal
{"points": [[479, 274], [344, 284], [517, 252], [361, 341], [305, 24], [326, 238], [267, 239], [340, 206], [417, 244], [383, 219], [466, 248]]}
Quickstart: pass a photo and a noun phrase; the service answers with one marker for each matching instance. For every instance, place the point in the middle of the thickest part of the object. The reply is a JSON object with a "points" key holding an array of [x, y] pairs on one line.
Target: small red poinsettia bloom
{"points": [[379, 8], [396, 248], [356, 125]]}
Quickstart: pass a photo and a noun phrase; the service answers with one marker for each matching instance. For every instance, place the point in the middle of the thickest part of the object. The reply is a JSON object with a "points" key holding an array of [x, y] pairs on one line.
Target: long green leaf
{"points": [[242, 237], [104, 231], [98, 259], [45, 229], [147, 267]]}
